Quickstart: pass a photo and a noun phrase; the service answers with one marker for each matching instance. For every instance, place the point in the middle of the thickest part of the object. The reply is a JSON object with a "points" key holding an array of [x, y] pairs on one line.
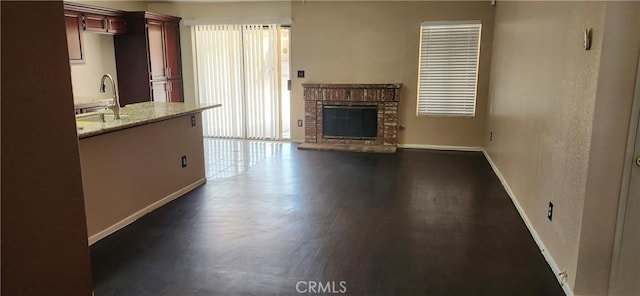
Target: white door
{"points": [[625, 273]]}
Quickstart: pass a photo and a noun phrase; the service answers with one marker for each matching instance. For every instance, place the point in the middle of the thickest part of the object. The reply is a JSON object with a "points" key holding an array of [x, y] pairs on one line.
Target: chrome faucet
{"points": [[115, 107]]}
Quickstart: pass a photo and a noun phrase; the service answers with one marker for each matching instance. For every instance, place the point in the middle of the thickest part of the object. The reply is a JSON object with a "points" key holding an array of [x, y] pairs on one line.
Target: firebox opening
{"points": [[350, 122]]}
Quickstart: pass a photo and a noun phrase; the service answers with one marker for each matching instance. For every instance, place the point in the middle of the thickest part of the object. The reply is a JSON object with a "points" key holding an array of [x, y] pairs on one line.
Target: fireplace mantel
{"points": [[352, 85], [385, 96]]}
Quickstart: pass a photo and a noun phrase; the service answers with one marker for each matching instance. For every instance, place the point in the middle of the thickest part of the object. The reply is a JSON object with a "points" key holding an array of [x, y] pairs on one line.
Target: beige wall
{"points": [[542, 98], [378, 42], [99, 59], [357, 42], [126, 171], [559, 115], [44, 235], [223, 10], [614, 97]]}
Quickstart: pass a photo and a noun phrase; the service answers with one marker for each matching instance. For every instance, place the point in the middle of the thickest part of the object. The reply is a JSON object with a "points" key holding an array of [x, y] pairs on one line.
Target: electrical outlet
{"points": [[550, 212], [184, 161], [193, 120], [300, 73], [299, 122], [490, 136]]}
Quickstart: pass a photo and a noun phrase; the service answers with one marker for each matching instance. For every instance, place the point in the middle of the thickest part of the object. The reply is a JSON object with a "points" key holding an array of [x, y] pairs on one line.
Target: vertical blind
{"points": [[448, 68], [238, 66]]}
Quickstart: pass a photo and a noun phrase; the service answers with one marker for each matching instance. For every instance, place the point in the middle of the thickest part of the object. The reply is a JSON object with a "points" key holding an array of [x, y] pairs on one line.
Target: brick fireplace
{"points": [[319, 97]]}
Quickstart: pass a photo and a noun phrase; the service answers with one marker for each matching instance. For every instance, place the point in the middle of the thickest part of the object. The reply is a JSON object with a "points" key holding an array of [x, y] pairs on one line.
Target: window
{"points": [[239, 66], [448, 68]]}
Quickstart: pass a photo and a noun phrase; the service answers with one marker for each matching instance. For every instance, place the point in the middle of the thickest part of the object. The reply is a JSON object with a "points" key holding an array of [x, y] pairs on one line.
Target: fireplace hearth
{"points": [[341, 116]]}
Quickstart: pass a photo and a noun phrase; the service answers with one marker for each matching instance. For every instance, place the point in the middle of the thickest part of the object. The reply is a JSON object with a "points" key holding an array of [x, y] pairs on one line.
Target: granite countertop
{"points": [[135, 115]]}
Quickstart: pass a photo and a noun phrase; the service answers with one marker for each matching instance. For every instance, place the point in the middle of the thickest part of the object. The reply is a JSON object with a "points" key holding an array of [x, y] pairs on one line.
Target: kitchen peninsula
{"points": [[133, 165]]}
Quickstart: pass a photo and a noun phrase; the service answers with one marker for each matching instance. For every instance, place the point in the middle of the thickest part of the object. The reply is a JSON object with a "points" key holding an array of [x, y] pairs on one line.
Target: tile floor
{"points": [[226, 158]]}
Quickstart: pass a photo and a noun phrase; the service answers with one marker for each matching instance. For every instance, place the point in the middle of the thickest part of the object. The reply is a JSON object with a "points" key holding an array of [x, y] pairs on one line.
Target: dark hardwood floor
{"points": [[414, 223]]}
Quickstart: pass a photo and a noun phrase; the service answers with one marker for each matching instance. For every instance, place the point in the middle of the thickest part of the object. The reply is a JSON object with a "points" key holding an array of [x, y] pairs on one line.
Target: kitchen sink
{"points": [[88, 119], [97, 117]]}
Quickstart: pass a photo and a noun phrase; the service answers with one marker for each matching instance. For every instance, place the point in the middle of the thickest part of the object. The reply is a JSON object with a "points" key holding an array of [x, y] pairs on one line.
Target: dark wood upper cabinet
{"points": [[98, 19], [104, 24], [148, 59], [172, 50], [157, 58], [95, 23], [86, 18], [72, 21], [116, 25], [147, 49]]}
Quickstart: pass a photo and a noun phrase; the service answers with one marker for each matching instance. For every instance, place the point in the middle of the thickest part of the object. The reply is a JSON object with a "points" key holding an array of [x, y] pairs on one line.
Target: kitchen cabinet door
{"points": [[95, 23], [175, 90], [172, 50], [156, 49], [141, 59], [159, 91], [72, 20], [116, 25]]}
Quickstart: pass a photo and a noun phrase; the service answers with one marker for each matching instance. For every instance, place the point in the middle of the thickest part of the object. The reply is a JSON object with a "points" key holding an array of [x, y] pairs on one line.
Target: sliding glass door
{"points": [[239, 66]]}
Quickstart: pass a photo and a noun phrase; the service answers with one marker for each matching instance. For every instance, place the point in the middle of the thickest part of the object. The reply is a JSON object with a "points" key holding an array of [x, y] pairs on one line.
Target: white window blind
{"points": [[238, 66], [448, 68]]}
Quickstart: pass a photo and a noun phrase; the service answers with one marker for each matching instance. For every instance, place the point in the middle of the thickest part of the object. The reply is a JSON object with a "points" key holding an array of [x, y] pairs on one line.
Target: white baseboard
{"points": [[137, 215], [547, 256], [440, 147]]}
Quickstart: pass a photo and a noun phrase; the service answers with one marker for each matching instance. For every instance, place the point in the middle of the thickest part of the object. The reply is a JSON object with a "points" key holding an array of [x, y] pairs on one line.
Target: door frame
{"points": [[288, 89], [242, 100], [626, 180]]}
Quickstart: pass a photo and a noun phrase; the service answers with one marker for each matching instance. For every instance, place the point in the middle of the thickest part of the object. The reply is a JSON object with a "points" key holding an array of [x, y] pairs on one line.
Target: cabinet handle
{"points": [[169, 68], [169, 86], [106, 24], [84, 23]]}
